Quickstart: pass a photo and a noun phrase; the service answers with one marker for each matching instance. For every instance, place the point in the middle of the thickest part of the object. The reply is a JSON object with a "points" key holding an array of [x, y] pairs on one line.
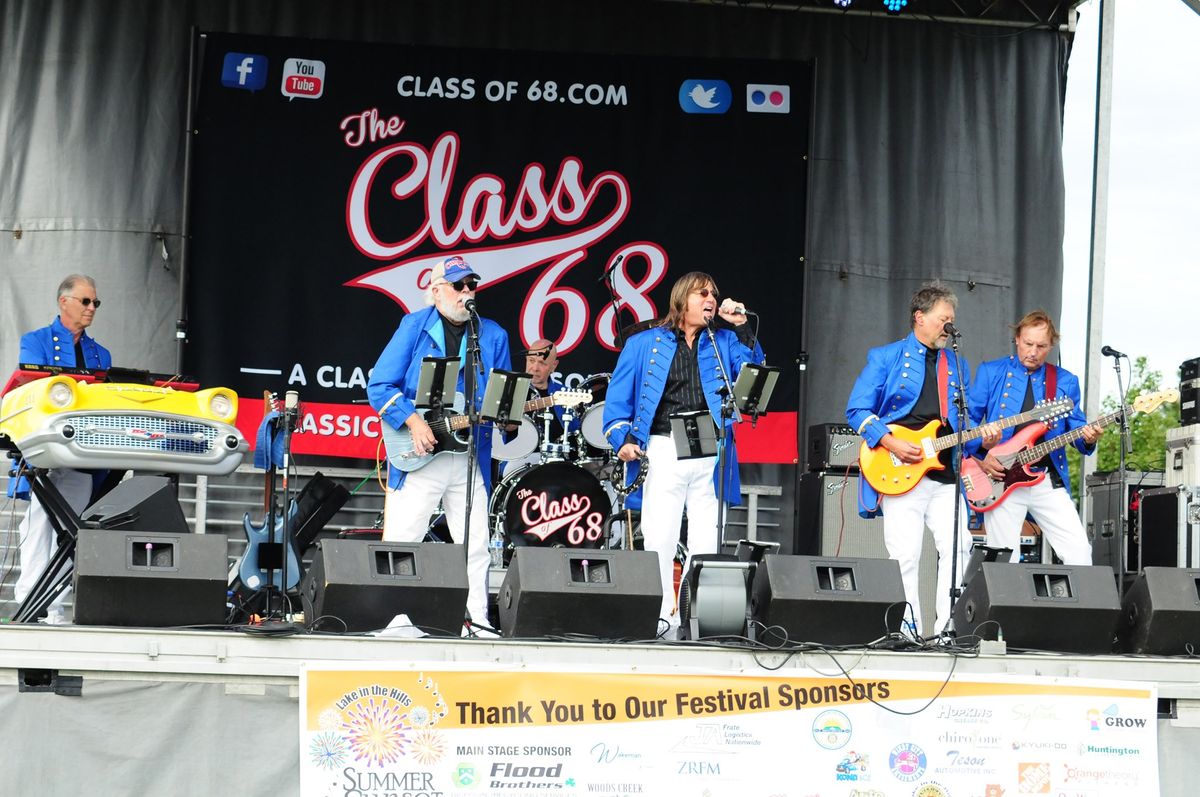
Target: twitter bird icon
{"points": [[705, 96]]}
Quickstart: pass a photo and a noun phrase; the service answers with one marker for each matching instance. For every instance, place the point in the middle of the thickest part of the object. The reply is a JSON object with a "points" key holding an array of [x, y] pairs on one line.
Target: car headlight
{"points": [[221, 405], [61, 394]]}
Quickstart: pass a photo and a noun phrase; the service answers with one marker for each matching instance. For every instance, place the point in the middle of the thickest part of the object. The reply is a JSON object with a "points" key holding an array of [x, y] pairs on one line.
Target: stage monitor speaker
{"points": [[141, 578], [1073, 609], [829, 511], [140, 503], [1161, 613], [832, 601], [365, 584], [605, 594]]}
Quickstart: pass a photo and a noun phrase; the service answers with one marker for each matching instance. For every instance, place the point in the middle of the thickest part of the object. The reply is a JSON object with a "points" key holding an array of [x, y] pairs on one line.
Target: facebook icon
{"points": [[243, 71]]}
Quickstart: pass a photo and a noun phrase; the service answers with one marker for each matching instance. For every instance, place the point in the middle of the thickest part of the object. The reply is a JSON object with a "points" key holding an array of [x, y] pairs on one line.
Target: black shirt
{"points": [[683, 391], [454, 334], [929, 408]]}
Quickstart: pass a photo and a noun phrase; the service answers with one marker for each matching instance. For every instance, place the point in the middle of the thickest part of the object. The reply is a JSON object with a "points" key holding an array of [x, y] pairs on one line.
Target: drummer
{"points": [[541, 362]]}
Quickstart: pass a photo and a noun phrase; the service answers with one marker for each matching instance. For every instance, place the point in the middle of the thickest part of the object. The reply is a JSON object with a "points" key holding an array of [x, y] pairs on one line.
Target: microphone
{"points": [[612, 268], [737, 308], [1109, 351], [951, 330], [291, 401], [470, 305]]}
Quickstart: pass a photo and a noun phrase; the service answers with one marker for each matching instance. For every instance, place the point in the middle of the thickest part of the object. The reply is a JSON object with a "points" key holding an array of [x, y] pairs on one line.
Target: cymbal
{"points": [[640, 326]]}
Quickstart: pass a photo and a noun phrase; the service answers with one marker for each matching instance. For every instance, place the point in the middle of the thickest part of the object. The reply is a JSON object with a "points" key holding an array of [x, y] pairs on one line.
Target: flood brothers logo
{"points": [[907, 762]]}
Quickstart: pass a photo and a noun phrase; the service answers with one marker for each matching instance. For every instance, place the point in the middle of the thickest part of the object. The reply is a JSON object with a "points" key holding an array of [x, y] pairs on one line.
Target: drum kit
{"points": [[555, 490]]}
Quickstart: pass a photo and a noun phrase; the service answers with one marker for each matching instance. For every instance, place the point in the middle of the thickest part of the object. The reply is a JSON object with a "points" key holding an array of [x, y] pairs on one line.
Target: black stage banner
{"points": [[330, 176]]}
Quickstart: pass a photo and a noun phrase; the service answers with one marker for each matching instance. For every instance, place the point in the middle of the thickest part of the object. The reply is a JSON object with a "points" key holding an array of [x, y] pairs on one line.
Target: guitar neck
{"points": [[457, 422], [1031, 455], [949, 441]]}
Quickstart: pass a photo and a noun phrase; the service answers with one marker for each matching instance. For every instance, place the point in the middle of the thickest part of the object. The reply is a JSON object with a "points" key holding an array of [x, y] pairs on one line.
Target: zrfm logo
{"points": [[705, 96], [244, 71]]}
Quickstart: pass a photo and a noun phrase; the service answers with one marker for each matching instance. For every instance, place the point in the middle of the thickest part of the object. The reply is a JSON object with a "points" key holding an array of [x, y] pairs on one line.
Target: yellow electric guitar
{"points": [[884, 471]]}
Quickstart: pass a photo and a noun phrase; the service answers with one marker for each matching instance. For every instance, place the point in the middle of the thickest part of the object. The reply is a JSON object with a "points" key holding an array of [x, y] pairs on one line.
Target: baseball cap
{"points": [[452, 269]]}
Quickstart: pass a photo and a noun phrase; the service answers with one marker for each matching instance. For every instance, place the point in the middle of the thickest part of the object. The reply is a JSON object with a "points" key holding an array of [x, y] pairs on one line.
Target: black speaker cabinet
{"points": [[828, 600], [138, 578], [1073, 609], [606, 594], [1161, 612], [141, 503], [364, 584]]}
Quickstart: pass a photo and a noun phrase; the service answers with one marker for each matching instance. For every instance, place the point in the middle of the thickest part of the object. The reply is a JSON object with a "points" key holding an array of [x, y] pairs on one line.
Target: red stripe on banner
{"points": [[352, 431], [772, 440]]}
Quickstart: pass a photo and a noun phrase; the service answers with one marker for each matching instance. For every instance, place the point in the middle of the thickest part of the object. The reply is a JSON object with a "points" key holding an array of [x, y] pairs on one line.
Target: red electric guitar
{"points": [[1019, 452], [884, 471]]}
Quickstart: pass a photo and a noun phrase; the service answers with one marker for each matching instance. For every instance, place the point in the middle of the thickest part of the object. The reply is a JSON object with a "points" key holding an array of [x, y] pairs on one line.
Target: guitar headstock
{"points": [[572, 398], [1149, 402], [271, 403], [1050, 411]]}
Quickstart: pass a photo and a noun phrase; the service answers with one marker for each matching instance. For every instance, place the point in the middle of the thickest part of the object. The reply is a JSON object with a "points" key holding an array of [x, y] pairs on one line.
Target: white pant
{"points": [[39, 540], [1052, 509], [671, 485], [406, 514], [905, 517]]}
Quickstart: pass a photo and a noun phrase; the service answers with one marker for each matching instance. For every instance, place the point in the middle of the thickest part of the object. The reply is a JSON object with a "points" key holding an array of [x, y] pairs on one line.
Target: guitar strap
{"points": [[943, 383], [1051, 381]]}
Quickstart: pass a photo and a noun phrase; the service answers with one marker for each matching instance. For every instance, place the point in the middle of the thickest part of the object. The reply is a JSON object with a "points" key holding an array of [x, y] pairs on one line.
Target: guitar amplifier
{"points": [[1183, 455], [1189, 392], [832, 446], [1169, 527]]}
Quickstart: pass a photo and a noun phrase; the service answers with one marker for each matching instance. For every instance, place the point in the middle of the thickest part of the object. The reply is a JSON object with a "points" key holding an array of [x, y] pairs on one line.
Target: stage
{"points": [[94, 710]]}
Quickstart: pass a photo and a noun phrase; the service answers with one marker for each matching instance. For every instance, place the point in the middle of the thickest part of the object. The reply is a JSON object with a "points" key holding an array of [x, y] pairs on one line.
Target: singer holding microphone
{"points": [[909, 383], [1011, 385], [439, 331], [665, 370]]}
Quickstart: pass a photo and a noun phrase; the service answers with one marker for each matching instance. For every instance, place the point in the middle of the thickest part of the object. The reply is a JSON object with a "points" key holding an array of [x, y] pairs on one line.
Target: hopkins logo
{"points": [[244, 71], [768, 98], [303, 78], [705, 96], [832, 730], [1110, 718], [907, 762]]}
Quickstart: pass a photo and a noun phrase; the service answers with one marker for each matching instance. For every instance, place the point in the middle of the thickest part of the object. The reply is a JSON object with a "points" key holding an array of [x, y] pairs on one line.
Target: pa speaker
{"points": [[1161, 612], [134, 578], [1045, 607], [142, 503], [607, 594], [360, 585], [828, 600]]}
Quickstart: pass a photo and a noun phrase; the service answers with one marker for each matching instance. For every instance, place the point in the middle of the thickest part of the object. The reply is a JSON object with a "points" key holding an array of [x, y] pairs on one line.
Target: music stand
{"points": [[502, 389], [438, 378], [694, 434], [753, 388]]}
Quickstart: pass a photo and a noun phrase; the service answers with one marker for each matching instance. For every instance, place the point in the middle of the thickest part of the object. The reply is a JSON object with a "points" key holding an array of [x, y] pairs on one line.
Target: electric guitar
{"points": [[450, 425], [261, 561], [1019, 452], [884, 471]]}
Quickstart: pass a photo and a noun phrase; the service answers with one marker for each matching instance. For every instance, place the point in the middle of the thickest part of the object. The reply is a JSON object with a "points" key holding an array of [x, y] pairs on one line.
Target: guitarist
{"points": [[1014, 384], [911, 382], [439, 331]]}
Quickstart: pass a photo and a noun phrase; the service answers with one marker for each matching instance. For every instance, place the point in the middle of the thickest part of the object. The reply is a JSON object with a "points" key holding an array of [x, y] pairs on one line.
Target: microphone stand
{"points": [[728, 410], [474, 361], [1123, 486], [956, 462]]}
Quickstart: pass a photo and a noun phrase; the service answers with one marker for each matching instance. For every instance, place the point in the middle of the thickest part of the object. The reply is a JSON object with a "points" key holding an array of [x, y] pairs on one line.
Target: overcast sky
{"points": [[1152, 290]]}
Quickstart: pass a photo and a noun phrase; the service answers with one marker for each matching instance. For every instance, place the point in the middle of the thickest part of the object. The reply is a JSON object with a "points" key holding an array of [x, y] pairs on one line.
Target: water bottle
{"points": [[496, 549]]}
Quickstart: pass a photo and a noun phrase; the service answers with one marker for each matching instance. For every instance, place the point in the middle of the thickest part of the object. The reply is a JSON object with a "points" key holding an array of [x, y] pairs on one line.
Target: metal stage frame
{"points": [[239, 695]]}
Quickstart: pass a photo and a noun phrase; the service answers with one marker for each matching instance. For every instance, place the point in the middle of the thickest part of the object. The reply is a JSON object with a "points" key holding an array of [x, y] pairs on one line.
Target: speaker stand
{"points": [[66, 523]]}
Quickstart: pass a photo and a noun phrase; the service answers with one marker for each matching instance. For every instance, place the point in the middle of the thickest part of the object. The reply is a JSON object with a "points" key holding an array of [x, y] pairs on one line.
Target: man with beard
{"points": [[439, 331], [909, 383]]}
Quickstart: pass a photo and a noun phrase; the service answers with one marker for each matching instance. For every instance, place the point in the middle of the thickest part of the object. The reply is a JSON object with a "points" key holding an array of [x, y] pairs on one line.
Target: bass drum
{"points": [[596, 445], [554, 505]]}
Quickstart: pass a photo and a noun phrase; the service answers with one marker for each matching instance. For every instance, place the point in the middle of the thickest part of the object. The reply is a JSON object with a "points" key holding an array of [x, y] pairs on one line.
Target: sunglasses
{"points": [[86, 301], [460, 285], [705, 293]]}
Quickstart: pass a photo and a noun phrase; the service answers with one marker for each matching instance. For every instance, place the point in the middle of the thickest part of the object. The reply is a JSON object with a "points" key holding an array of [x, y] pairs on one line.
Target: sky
{"points": [[1151, 288]]}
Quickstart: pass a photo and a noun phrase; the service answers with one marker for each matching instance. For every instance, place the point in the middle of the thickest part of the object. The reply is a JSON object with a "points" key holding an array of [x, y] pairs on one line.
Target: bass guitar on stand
{"points": [[884, 471], [1019, 452]]}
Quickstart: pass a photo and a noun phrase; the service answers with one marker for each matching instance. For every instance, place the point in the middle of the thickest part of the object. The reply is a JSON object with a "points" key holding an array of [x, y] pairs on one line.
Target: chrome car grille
{"points": [[143, 432]]}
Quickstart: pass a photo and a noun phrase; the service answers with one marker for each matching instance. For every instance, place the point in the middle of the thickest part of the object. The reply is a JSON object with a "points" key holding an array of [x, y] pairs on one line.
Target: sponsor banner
{"points": [[449, 732], [329, 177]]}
